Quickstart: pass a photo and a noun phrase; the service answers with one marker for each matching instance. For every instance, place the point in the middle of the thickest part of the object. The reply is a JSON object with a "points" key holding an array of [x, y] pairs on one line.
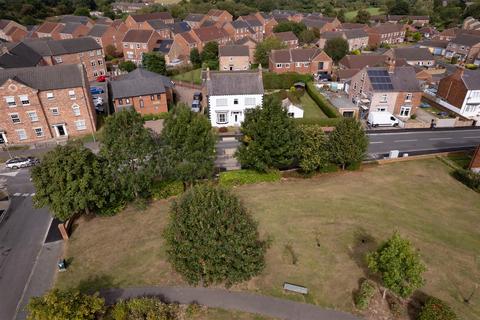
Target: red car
{"points": [[102, 78]]}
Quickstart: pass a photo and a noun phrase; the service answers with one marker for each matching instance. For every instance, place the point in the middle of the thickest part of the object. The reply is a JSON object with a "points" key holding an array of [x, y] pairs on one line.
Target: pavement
{"points": [[423, 141], [27, 265], [231, 300]]}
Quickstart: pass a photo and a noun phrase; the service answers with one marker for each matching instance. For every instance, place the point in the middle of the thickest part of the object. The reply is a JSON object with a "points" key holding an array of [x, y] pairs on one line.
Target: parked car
{"points": [[97, 101], [102, 78], [16, 163], [382, 119], [196, 106], [96, 90], [197, 96]]}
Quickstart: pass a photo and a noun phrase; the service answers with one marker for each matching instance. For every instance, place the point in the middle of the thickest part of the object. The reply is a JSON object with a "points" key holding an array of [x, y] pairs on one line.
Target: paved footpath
{"points": [[231, 300]]}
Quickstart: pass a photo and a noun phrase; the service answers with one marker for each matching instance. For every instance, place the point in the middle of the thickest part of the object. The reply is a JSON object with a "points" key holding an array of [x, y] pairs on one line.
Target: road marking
{"points": [[17, 194], [9, 174], [440, 139], [33, 194], [376, 142], [422, 132], [471, 137], [26, 194], [405, 140]]}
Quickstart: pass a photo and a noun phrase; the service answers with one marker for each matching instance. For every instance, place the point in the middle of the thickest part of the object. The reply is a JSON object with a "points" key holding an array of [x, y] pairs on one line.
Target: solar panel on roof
{"points": [[380, 79]]}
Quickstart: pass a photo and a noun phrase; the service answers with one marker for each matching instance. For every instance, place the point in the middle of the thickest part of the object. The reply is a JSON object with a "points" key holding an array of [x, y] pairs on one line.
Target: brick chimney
{"points": [[391, 65]]}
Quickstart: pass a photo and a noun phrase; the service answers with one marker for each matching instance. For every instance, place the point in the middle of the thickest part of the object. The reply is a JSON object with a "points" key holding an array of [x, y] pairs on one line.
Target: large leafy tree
{"points": [[295, 27], [401, 7], [127, 66], [187, 146], [264, 48], [210, 51], [212, 238], [399, 265], [71, 180], [60, 305], [347, 143], [129, 151], [195, 58], [313, 149], [154, 62], [363, 16], [270, 137], [336, 48]]}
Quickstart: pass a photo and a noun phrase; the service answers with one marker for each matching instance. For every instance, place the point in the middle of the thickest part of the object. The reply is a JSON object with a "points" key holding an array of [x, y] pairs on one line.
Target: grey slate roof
{"points": [[403, 79], [139, 82], [233, 51], [49, 47], [19, 56], [195, 17], [412, 54], [286, 36], [70, 27], [471, 79], [164, 46], [98, 30], [466, 39], [141, 36], [234, 83], [355, 33], [61, 76], [72, 18], [179, 27], [157, 24]]}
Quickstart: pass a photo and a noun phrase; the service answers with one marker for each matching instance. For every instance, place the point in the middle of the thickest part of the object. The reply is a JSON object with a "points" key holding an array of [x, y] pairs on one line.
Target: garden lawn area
{"points": [[310, 108], [190, 76], [350, 15], [320, 222]]}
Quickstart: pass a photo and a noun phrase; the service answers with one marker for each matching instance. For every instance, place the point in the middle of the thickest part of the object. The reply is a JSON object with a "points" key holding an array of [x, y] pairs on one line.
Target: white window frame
{"points": [[76, 110], [50, 96], [58, 59], [279, 65], [408, 97], [80, 125], [222, 113], [72, 95], [32, 115], [23, 98], [14, 116], [405, 111], [99, 52], [9, 100], [22, 134], [55, 113]]}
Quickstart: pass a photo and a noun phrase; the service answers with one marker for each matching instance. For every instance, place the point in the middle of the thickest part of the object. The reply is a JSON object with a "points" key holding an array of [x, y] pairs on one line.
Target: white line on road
{"points": [[471, 137], [17, 194], [33, 194], [26, 194], [405, 140], [421, 132], [375, 142], [440, 138]]}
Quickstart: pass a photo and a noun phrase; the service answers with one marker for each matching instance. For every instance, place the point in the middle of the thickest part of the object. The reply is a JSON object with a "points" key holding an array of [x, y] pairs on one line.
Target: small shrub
{"points": [[192, 310], [164, 189], [356, 52], [239, 177], [144, 308], [330, 167], [354, 166], [436, 309], [468, 178], [364, 294], [471, 66], [413, 116]]}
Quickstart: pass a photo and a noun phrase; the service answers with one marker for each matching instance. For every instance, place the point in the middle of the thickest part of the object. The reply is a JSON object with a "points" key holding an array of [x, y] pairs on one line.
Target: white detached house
{"points": [[229, 94]]}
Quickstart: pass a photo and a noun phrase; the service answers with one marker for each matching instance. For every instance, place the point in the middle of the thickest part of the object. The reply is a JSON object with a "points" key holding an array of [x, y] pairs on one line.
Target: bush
{"points": [[326, 106], [150, 117], [436, 309], [354, 166], [364, 294], [413, 116], [285, 80], [330, 167], [143, 309], [164, 189], [468, 178], [239, 177]]}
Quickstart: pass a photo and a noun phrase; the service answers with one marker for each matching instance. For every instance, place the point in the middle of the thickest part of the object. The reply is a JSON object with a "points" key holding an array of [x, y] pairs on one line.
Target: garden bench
{"points": [[295, 288]]}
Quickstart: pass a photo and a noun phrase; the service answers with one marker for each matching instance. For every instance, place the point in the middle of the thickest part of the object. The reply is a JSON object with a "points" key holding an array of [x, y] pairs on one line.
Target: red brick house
{"points": [[195, 20], [12, 31], [73, 30], [322, 24], [389, 33], [137, 42], [139, 21], [43, 103], [220, 16], [49, 30], [144, 91], [239, 29], [306, 61], [288, 38]]}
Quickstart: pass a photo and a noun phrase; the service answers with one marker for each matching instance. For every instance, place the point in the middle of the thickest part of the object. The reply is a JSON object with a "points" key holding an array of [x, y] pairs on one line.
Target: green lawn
{"points": [[351, 15], [190, 76], [328, 222], [310, 108]]}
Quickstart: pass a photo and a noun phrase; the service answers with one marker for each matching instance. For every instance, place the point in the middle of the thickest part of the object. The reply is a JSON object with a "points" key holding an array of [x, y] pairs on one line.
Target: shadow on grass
{"points": [[94, 284], [363, 243]]}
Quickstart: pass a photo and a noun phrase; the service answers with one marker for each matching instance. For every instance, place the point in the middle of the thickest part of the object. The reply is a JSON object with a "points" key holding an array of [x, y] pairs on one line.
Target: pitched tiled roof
{"points": [[234, 83], [361, 61], [140, 36], [164, 46], [434, 43], [152, 16], [4, 23], [471, 79], [314, 23], [74, 19], [98, 30], [244, 40], [19, 55], [179, 27], [412, 53], [294, 55], [195, 17], [212, 33], [350, 25], [49, 47], [70, 27], [286, 36], [355, 33], [158, 24], [466, 39], [139, 82], [405, 80], [238, 24], [47, 27], [215, 12], [60, 76], [233, 50], [385, 28]]}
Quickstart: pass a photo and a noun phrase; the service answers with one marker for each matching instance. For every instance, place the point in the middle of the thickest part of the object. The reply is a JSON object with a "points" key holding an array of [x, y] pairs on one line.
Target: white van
{"points": [[382, 119]]}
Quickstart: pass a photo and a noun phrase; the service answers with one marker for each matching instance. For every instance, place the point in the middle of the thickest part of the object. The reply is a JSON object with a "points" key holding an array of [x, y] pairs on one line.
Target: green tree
{"points": [[264, 48], [195, 58], [129, 150], [436, 309], [187, 146], [144, 309], [270, 137], [82, 12], [70, 180], [307, 36], [416, 36], [211, 238], [313, 149], [128, 66], [341, 15], [363, 16], [295, 27], [60, 305], [336, 48], [401, 7], [154, 62], [210, 52], [347, 143], [399, 265]]}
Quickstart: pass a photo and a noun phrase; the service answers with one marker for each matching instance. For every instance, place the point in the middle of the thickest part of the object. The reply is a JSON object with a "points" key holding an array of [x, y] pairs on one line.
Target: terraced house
{"points": [[137, 42], [306, 61], [42, 103]]}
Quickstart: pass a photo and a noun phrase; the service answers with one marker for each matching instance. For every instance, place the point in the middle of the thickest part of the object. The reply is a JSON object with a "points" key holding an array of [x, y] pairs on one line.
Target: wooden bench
{"points": [[295, 288]]}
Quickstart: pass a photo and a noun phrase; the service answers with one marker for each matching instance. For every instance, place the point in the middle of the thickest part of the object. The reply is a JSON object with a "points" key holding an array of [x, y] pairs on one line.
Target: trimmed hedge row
{"points": [[239, 177], [150, 117], [468, 178], [323, 122], [326, 106], [284, 80]]}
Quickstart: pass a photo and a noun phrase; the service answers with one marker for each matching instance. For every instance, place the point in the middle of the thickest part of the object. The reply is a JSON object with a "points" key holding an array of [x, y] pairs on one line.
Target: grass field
{"points": [[322, 222], [310, 108], [190, 76], [351, 15]]}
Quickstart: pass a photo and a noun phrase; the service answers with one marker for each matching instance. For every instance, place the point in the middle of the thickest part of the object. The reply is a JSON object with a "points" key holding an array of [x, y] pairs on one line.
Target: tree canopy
{"points": [[347, 143], [399, 265], [187, 146], [128, 66], [363, 16], [60, 305], [195, 58], [270, 137], [313, 149], [336, 48], [295, 27], [154, 62], [209, 55], [211, 238], [265, 47], [71, 180]]}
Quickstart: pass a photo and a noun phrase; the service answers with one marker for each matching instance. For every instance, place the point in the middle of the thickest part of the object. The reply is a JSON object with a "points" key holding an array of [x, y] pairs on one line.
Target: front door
{"points": [[60, 130], [3, 138], [236, 116]]}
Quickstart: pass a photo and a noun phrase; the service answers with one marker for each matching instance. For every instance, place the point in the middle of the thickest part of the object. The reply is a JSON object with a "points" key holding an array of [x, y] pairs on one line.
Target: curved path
{"points": [[232, 300]]}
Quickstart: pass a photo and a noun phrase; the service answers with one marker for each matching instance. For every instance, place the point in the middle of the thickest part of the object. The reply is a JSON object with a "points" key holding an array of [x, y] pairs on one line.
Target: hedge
{"points": [[284, 80], [239, 177], [150, 117], [323, 122], [164, 189], [365, 294], [323, 103], [436, 309], [468, 178]]}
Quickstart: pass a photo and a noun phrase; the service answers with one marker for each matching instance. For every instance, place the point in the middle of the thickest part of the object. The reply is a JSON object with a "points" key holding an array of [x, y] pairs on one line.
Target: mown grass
{"points": [[327, 223], [351, 15], [310, 108], [193, 76]]}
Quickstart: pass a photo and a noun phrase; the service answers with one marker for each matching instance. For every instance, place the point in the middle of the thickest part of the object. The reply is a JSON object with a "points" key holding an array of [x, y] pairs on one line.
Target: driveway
{"points": [[184, 93]]}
